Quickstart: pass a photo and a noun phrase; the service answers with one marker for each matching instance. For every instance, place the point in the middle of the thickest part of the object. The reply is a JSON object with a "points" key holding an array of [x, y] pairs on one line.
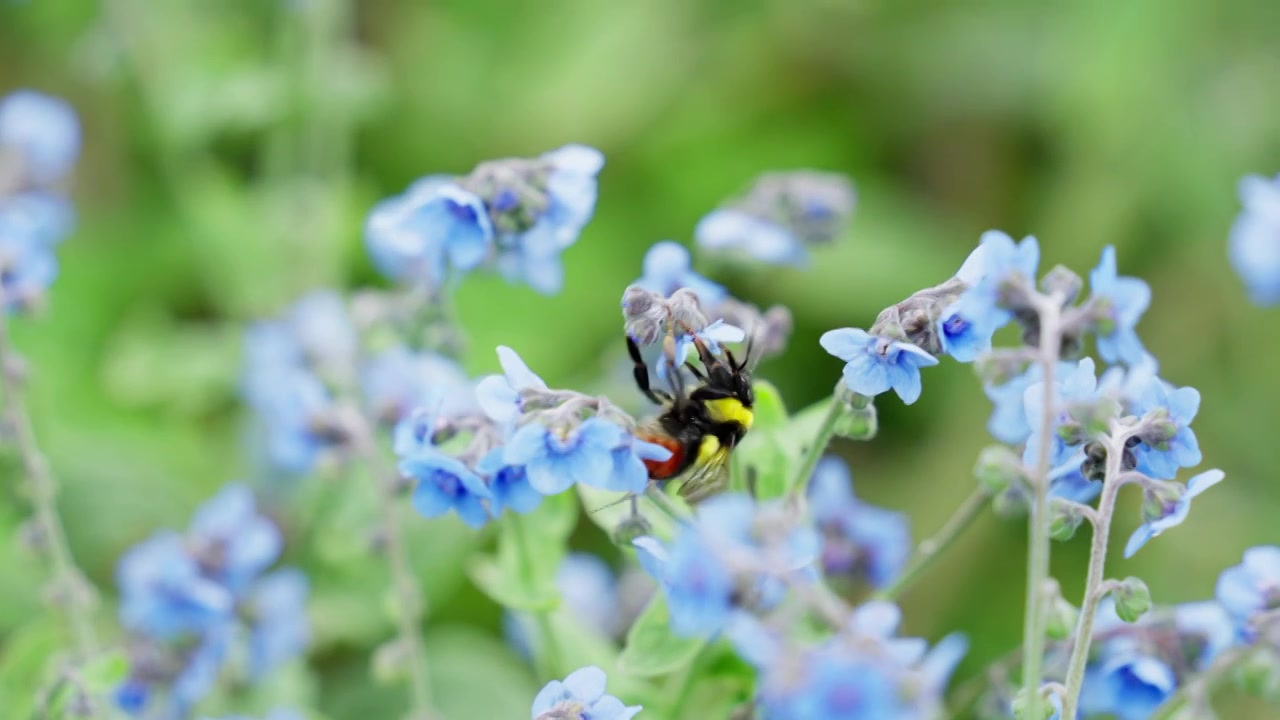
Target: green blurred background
{"points": [[232, 148]]}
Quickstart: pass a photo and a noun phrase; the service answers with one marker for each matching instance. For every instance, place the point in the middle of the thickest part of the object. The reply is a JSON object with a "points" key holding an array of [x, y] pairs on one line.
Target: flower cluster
{"points": [[39, 145], [780, 216], [515, 215], [1255, 239], [194, 601], [530, 441]]}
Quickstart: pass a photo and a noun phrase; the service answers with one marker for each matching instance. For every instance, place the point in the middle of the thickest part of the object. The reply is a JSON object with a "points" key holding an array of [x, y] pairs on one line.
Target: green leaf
{"points": [[474, 675], [652, 648], [103, 674], [530, 547], [770, 411]]}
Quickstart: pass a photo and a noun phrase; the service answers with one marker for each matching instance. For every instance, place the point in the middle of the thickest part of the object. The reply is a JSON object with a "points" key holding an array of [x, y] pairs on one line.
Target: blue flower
{"points": [[873, 365], [984, 305], [28, 265], [1067, 482], [555, 460], [1171, 444], [508, 484], [1121, 302], [293, 410], [45, 217], [1126, 683], [1255, 239], [535, 225], [580, 697], [1172, 512], [858, 538], [697, 585], [1077, 387], [667, 268], [280, 632], [832, 684], [1205, 625], [444, 483], [763, 240], [961, 339], [232, 541], [163, 592], [499, 395], [1252, 587], [42, 131], [200, 671], [435, 228], [399, 380]]}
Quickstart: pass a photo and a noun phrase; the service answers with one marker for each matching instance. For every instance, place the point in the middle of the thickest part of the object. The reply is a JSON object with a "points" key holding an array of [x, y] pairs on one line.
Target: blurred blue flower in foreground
{"points": [[1127, 683], [780, 216], [874, 365], [668, 267], [187, 599], [858, 539], [1251, 588], [580, 697], [516, 215], [443, 483], [1165, 505], [42, 133], [1255, 239], [1118, 304]]}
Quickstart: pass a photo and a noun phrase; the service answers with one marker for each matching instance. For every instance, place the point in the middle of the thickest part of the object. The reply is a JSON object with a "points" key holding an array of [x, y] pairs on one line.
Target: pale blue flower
{"points": [[580, 697], [1173, 513], [557, 459], [43, 131], [1251, 588], [399, 380], [233, 541], [1121, 301], [873, 365], [444, 483], [1176, 407], [163, 592], [434, 230], [277, 609], [983, 305], [1255, 239], [668, 267], [499, 395], [508, 484], [857, 538], [1077, 387]]}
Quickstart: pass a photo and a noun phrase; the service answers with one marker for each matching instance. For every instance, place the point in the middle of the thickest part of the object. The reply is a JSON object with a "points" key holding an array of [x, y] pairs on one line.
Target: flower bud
{"points": [[686, 311], [1022, 707], [1063, 283], [859, 420], [1160, 499], [644, 313], [998, 469], [1094, 417], [1259, 674], [1133, 599], [1061, 619], [1064, 519], [1010, 503]]}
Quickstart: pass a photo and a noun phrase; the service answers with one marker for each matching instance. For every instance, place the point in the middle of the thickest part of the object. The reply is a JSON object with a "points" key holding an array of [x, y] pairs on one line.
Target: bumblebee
{"points": [[701, 427]]}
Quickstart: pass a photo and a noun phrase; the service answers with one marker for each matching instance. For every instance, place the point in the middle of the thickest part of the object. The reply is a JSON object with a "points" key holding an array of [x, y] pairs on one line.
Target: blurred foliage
{"points": [[232, 148]]}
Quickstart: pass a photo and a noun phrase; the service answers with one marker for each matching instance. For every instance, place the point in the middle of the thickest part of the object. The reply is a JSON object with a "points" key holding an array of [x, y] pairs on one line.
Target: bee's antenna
{"points": [[619, 501]]}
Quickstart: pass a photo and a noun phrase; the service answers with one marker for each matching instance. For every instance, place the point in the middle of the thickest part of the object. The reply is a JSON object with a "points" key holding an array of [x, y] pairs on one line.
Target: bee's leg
{"points": [[641, 375], [696, 372]]}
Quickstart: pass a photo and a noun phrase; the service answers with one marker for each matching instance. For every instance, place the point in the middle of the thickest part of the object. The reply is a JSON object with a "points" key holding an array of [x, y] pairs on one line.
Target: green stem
{"points": [[547, 657], [1038, 540], [412, 608], [74, 592], [930, 548], [813, 453], [1094, 588]]}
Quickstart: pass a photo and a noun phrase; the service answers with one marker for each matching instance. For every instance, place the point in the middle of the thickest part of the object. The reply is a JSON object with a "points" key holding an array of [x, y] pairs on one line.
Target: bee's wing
{"points": [[707, 478]]}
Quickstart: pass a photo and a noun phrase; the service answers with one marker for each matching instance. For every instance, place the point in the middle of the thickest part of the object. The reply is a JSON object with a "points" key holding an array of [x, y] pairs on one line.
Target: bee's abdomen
{"points": [[672, 466]]}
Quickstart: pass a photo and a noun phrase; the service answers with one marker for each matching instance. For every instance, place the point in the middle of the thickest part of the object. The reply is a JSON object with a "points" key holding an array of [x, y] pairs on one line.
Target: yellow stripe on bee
{"points": [[730, 410], [709, 446]]}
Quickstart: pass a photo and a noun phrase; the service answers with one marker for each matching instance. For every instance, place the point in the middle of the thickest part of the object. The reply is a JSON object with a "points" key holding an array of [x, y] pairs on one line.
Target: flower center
{"points": [[954, 325]]}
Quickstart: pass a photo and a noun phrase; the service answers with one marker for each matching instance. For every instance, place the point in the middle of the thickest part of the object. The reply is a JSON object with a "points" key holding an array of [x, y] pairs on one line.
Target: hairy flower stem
{"points": [[813, 453], [547, 655], [408, 596], [932, 547], [1033, 637], [72, 591], [1094, 588]]}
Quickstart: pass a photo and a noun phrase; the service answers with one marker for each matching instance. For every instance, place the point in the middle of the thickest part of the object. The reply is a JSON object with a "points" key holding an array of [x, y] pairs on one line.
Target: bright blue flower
{"points": [[668, 267], [42, 131], [277, 609], [1207, 625], [1255, 239], [499, 395], [1126, 683], [697, 585], [444, 483], [556, 459], [832, 684], [873, 365], [580, 697], [1121, 301], [232, 541], [1008, 422], [399, 380], [960, 338], [1068, 483], [1170, 405], [508, 484], [132, 696], [857, 538], [1173, 513], [983, 306], [163, 592], [1252, 587], [1077, 387], [436, 228]]}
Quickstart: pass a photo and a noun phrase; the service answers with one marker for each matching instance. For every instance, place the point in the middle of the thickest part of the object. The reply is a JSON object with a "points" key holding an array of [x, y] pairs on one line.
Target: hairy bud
{"points": [[1133, 599]]}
